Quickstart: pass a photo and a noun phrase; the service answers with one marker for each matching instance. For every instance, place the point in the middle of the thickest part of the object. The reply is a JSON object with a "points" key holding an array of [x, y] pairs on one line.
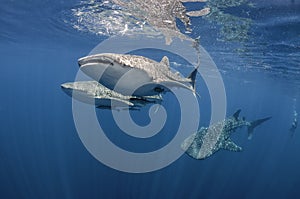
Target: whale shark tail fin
{"points": [[254, 124], [192, 77]]}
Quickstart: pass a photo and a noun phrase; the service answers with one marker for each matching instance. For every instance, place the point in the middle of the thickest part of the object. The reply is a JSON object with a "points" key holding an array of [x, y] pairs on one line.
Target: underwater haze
{"points": [[41, 153]]}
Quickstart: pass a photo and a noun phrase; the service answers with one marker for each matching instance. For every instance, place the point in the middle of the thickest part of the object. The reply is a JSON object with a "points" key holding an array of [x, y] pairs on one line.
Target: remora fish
{"points": [[91, 92], [134, 75], [162, 14], [207, 141]]}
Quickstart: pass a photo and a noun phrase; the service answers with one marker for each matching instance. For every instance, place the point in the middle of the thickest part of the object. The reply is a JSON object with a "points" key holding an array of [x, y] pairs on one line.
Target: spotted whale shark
{"points": [[134, 75], [209, 140], [91, 92]]}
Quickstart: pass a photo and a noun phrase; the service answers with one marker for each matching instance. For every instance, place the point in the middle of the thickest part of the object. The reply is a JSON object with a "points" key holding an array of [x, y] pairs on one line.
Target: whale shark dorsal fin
{"points": [[236, 114], [230, 146], [165, 61]]}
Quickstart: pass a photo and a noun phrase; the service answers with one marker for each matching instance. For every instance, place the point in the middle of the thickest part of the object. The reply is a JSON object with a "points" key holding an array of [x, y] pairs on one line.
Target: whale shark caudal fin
{"points": [[192, 77], [255, 124]]}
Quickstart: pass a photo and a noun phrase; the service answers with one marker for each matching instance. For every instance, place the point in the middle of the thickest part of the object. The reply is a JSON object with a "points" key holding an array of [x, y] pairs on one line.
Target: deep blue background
{"points": [[41, 155]]}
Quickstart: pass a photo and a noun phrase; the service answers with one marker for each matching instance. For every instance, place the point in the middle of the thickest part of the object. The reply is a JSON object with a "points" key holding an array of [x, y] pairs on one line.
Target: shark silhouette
{"points": [[134, 75]]}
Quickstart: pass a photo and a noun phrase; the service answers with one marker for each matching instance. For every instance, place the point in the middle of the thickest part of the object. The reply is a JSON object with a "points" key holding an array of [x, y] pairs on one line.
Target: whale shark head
{"points": [[131, 74]]}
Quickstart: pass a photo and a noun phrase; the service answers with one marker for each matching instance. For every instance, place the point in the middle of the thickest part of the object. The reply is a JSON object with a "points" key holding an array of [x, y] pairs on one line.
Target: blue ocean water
{"points": [[41, 155]]}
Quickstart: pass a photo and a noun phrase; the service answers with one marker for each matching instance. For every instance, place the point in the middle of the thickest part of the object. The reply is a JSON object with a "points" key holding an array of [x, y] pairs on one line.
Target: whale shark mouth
{"points": [[95, 59]]}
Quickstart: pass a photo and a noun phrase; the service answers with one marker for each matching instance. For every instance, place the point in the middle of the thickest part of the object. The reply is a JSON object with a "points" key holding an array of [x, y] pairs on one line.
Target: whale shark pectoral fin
{"points": [[199, 13], [230, 146]]}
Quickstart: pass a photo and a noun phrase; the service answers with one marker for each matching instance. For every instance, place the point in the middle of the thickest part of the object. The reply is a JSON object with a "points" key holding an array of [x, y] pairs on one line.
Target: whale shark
{"points": [[91, 92], [162, 14], [134, 75], [208, 140]]}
